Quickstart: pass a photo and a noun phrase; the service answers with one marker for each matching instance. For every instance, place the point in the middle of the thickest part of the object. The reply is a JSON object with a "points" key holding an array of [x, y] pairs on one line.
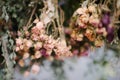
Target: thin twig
{"points": [[30, 19]]}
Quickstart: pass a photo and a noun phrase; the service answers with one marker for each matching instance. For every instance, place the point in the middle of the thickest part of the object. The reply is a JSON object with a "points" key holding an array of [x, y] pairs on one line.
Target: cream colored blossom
{"points": [[37, 54], [84, 18], [29, 43], [36, 21], [82, 10], [79, 37], [21, 47], [26, 55], [92, 8]]}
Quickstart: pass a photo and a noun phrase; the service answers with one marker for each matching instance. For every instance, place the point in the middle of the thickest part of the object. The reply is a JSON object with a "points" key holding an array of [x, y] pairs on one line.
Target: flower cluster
{"points": [[88, 26], [36, 43]]}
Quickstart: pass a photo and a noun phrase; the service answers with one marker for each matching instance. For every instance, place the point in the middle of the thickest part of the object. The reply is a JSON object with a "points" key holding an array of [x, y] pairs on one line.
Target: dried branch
{"points": [[30, 19]]}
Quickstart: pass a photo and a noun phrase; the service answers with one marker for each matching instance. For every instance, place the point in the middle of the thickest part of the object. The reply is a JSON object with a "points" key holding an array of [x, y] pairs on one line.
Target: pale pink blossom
{"points": [[40, 25], [34, 37], [19, 41], [35, 30], [49, 51], [62, 50], [94, 20], [19, 33], [26, 55], [35, 68], [43, 37], [17, 49], [49, 43]]}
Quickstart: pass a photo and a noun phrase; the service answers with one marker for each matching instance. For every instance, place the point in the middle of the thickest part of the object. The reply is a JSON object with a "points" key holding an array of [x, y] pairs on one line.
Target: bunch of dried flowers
{"points": [[89, 27]]}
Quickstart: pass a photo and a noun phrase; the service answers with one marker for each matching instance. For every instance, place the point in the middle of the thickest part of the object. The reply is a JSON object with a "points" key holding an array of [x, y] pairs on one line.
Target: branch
{"points": [[30, 19]]}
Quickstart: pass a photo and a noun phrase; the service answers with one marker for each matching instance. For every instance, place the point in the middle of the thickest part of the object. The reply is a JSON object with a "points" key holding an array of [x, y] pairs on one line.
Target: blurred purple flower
{"points": [[110, 35], [106, 19], [43, 51]]}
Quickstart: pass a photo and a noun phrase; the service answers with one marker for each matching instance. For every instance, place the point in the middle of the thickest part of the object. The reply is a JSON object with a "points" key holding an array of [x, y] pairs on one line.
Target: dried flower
{"points": [[92, 8], [37, 54], [79, 37], [40, 25], [19, 41], [26, 55], [90, 34], [38, 45], [99, 42], [28, 43], [82, 10], [21, 63]]}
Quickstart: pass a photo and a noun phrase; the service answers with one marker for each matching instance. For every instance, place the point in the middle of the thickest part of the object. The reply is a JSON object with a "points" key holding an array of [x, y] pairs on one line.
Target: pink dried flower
{"points": [[94, 20], [35, 30], [19, 33], [19, 41], [62, 50], [49, 43], [43, 37], [17, 49], [40, 25], [34, 37]]}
